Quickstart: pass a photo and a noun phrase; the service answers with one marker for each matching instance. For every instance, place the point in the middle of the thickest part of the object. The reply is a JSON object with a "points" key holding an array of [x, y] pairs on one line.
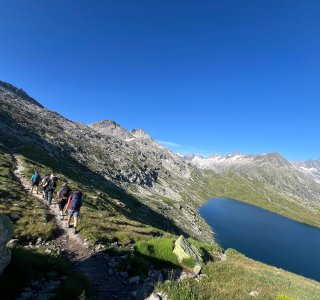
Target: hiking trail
{"points": [[95, 265]]}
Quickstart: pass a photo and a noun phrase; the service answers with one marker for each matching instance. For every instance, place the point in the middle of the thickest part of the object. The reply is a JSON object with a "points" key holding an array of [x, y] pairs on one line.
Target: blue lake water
{"points": [[265, 236]]}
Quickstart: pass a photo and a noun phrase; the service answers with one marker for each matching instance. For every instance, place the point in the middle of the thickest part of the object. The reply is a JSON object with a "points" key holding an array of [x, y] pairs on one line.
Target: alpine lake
{"points": [[265, 236]]}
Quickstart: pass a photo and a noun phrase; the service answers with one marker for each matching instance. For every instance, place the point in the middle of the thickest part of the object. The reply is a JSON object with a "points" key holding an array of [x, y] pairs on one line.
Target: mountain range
{"points": [[173, 186]]}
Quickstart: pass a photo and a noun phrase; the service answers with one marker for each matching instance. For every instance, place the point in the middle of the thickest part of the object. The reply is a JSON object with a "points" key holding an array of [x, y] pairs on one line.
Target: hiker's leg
{"points": [[50, 193], [61, 204], [76, 219], [70, 214], [69, 220], [75, 223]]}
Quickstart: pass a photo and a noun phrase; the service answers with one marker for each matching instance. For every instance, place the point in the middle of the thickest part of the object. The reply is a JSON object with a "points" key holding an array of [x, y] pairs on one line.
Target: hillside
{"points": [[107, 158], [137, 190]]}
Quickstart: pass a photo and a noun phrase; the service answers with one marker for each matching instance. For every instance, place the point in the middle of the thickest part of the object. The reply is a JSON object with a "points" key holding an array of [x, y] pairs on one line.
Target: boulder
{"points": [[13, 243], [6, 232], [184, 250]]}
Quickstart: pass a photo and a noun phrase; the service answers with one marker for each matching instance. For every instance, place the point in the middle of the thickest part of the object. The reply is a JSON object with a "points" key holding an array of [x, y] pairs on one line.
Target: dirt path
{"points": [[107, 283]]}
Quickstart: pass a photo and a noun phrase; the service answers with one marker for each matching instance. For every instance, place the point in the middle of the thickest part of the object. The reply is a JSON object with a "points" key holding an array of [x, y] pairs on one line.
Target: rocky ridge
{"points": [[131, 160], [310, 168], [6, 232]]}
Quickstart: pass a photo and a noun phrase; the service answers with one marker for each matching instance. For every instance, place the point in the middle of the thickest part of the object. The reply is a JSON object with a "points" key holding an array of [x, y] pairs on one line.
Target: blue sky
{"points": [[204, 76]]}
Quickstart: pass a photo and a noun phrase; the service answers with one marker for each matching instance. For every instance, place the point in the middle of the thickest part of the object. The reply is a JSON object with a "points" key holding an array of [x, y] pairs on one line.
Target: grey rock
{"points": [[110, 271], [6, 233], [14, 216], [184, 250], [124, 274], [254, 294], [134, 280], [154, 296], [13, 243], [26, 296]]}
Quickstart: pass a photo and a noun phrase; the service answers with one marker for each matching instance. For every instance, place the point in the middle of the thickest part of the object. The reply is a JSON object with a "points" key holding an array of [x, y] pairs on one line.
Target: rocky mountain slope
{"points": [[311, 168], [107, 154], [268, 174]]}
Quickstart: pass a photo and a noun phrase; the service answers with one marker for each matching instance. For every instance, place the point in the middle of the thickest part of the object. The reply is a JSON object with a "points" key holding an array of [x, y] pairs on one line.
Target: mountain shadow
{"points": [[36, 149]]}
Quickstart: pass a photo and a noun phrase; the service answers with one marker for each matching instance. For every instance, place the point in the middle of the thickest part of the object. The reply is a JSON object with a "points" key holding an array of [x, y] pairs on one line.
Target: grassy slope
{"points": [[106, 212], [35, 219], [35, 222], [230, 185], [236, 277], [233, 278]]}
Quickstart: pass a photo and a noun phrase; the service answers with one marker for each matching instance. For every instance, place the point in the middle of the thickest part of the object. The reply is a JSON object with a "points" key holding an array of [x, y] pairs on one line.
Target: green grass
{"points": [[236, 277], [158, 250], [35, 220], [27, 265]]}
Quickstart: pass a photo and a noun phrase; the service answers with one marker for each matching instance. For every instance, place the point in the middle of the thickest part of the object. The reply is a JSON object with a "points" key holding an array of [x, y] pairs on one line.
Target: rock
{"points": [[26, 296], [38, 242], [110, 271], [13, 243], [14, 217], [5, 235], [156, 275], [52, 285], [124, 257], [254, 294], [184, 250], [134, 279], [153, 296], [124, 274]]}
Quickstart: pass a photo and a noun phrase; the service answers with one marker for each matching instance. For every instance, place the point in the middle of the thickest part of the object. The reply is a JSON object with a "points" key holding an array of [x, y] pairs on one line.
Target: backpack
{"points": [[76, 201], [64, 192], [36, 178], [53, 182]]}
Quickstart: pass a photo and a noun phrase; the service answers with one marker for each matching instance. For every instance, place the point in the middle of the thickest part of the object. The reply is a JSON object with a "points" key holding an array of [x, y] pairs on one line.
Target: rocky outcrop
{"points": [[5, 235], [184, 250]]}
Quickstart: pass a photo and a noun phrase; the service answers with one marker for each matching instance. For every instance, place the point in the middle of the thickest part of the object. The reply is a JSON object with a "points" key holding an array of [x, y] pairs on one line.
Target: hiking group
{"points": [[68, 200]]}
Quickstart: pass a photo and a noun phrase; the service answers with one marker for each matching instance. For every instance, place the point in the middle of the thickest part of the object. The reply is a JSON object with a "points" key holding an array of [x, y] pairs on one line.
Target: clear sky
{"points": [[203, 76]]}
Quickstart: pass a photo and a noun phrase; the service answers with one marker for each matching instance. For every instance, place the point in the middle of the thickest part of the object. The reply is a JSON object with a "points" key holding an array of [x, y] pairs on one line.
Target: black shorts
{"points": [[35, 183], [62, 203]]}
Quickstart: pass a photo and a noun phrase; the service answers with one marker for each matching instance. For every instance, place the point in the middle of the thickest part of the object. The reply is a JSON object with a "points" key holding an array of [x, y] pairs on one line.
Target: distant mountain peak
{"points": [[111, 128], [105, 123], [18, 92], [140, 133]]}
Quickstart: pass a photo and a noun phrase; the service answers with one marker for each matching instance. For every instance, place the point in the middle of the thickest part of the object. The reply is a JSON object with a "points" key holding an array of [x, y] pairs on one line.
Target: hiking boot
{"points": [[75, 231]]}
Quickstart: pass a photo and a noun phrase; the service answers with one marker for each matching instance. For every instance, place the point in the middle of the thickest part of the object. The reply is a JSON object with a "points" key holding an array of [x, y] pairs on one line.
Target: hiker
{"points": [[63, 196], [49, 188], [44, 183], [35, 180], [73, 206]]}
